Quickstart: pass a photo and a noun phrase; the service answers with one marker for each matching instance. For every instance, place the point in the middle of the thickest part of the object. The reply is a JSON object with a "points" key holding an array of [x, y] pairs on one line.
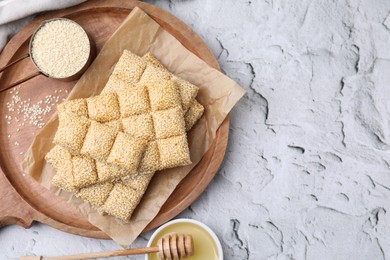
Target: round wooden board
{"points": [[23, 199]]}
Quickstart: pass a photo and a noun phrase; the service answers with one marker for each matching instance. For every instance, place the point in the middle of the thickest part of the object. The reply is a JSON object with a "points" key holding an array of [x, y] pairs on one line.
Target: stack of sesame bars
{"points": [[108, 147]]}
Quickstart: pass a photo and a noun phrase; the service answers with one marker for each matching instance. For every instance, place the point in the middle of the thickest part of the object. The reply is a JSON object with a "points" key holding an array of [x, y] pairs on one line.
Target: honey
{"points": [[205, 247]]}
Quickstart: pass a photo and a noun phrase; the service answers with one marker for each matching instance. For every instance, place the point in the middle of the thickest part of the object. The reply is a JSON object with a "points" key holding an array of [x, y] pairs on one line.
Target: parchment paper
{"points": [[140, 34]]}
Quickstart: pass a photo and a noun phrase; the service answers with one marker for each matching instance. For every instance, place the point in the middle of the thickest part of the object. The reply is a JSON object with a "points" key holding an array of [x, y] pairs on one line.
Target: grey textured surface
{"points": [[307, 171]]}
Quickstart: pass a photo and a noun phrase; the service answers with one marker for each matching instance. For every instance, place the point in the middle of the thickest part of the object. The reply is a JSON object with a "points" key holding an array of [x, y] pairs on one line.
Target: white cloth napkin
{"points": [[14, 14]]}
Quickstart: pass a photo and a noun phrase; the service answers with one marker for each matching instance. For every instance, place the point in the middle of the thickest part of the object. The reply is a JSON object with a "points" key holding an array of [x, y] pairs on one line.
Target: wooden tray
{"points": [[22, 199]]}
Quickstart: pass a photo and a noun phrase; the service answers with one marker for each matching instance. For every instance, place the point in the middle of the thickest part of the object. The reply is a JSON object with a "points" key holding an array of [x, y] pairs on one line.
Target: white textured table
{"points": [[307, 171]]}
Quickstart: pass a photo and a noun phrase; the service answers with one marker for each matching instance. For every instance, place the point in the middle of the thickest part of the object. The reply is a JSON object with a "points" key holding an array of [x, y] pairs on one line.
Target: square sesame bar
{"points": [[103, 108], [99, 140], [127, 152], [173, 152], [151, 158], [96, 194], [76, 106], [133, 101], [115, 84], [126, 195], [71, 131], [84, 171], [130, 67], [139, 126]]}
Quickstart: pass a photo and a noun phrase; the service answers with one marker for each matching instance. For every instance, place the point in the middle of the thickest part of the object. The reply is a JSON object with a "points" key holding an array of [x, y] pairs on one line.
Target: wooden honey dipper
{"points": [[169, 247]]}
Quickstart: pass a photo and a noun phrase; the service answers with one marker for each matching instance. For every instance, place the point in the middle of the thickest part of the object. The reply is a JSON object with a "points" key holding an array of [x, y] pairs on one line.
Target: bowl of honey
{"points": [[206, 243]]}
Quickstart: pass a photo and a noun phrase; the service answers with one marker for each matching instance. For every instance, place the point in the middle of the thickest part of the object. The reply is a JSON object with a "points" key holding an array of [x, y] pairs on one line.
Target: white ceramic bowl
{"points": [[188, 221]]}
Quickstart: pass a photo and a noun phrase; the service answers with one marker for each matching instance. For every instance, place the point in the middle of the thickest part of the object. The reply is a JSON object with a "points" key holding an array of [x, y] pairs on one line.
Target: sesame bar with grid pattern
{"points": [[99, 141], [75, 172], [132, 70], [192, 108], [152, 113], [116, 198], [126, 195], [195, 110]]}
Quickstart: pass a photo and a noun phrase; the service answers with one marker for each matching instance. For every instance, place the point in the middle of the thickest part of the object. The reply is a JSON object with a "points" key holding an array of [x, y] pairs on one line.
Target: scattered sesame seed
{"points": [[26, 111]]}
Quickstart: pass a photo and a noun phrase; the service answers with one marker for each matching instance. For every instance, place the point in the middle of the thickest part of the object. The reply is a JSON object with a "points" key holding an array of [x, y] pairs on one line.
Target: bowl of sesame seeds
{"points": [[60, 48]]}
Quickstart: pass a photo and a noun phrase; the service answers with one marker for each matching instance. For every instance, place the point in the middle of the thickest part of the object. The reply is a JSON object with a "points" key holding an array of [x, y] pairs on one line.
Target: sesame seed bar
{"points": [[103, 108], [122, 201], [84, 171], [169, 122], [133, 101], [141, 100], [76, 171], [76, 106], [153, 113], [109, 172], [130, 67], [71, 131], [151, 158], [61, 159], [96, 194], [139, 126], [99, 141], [115, 84], [188, 91], [173, 152], [163, 95], [132, 70], [148, 57], [153, 75], [126, 195], [127, 152], [193, 114]]}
